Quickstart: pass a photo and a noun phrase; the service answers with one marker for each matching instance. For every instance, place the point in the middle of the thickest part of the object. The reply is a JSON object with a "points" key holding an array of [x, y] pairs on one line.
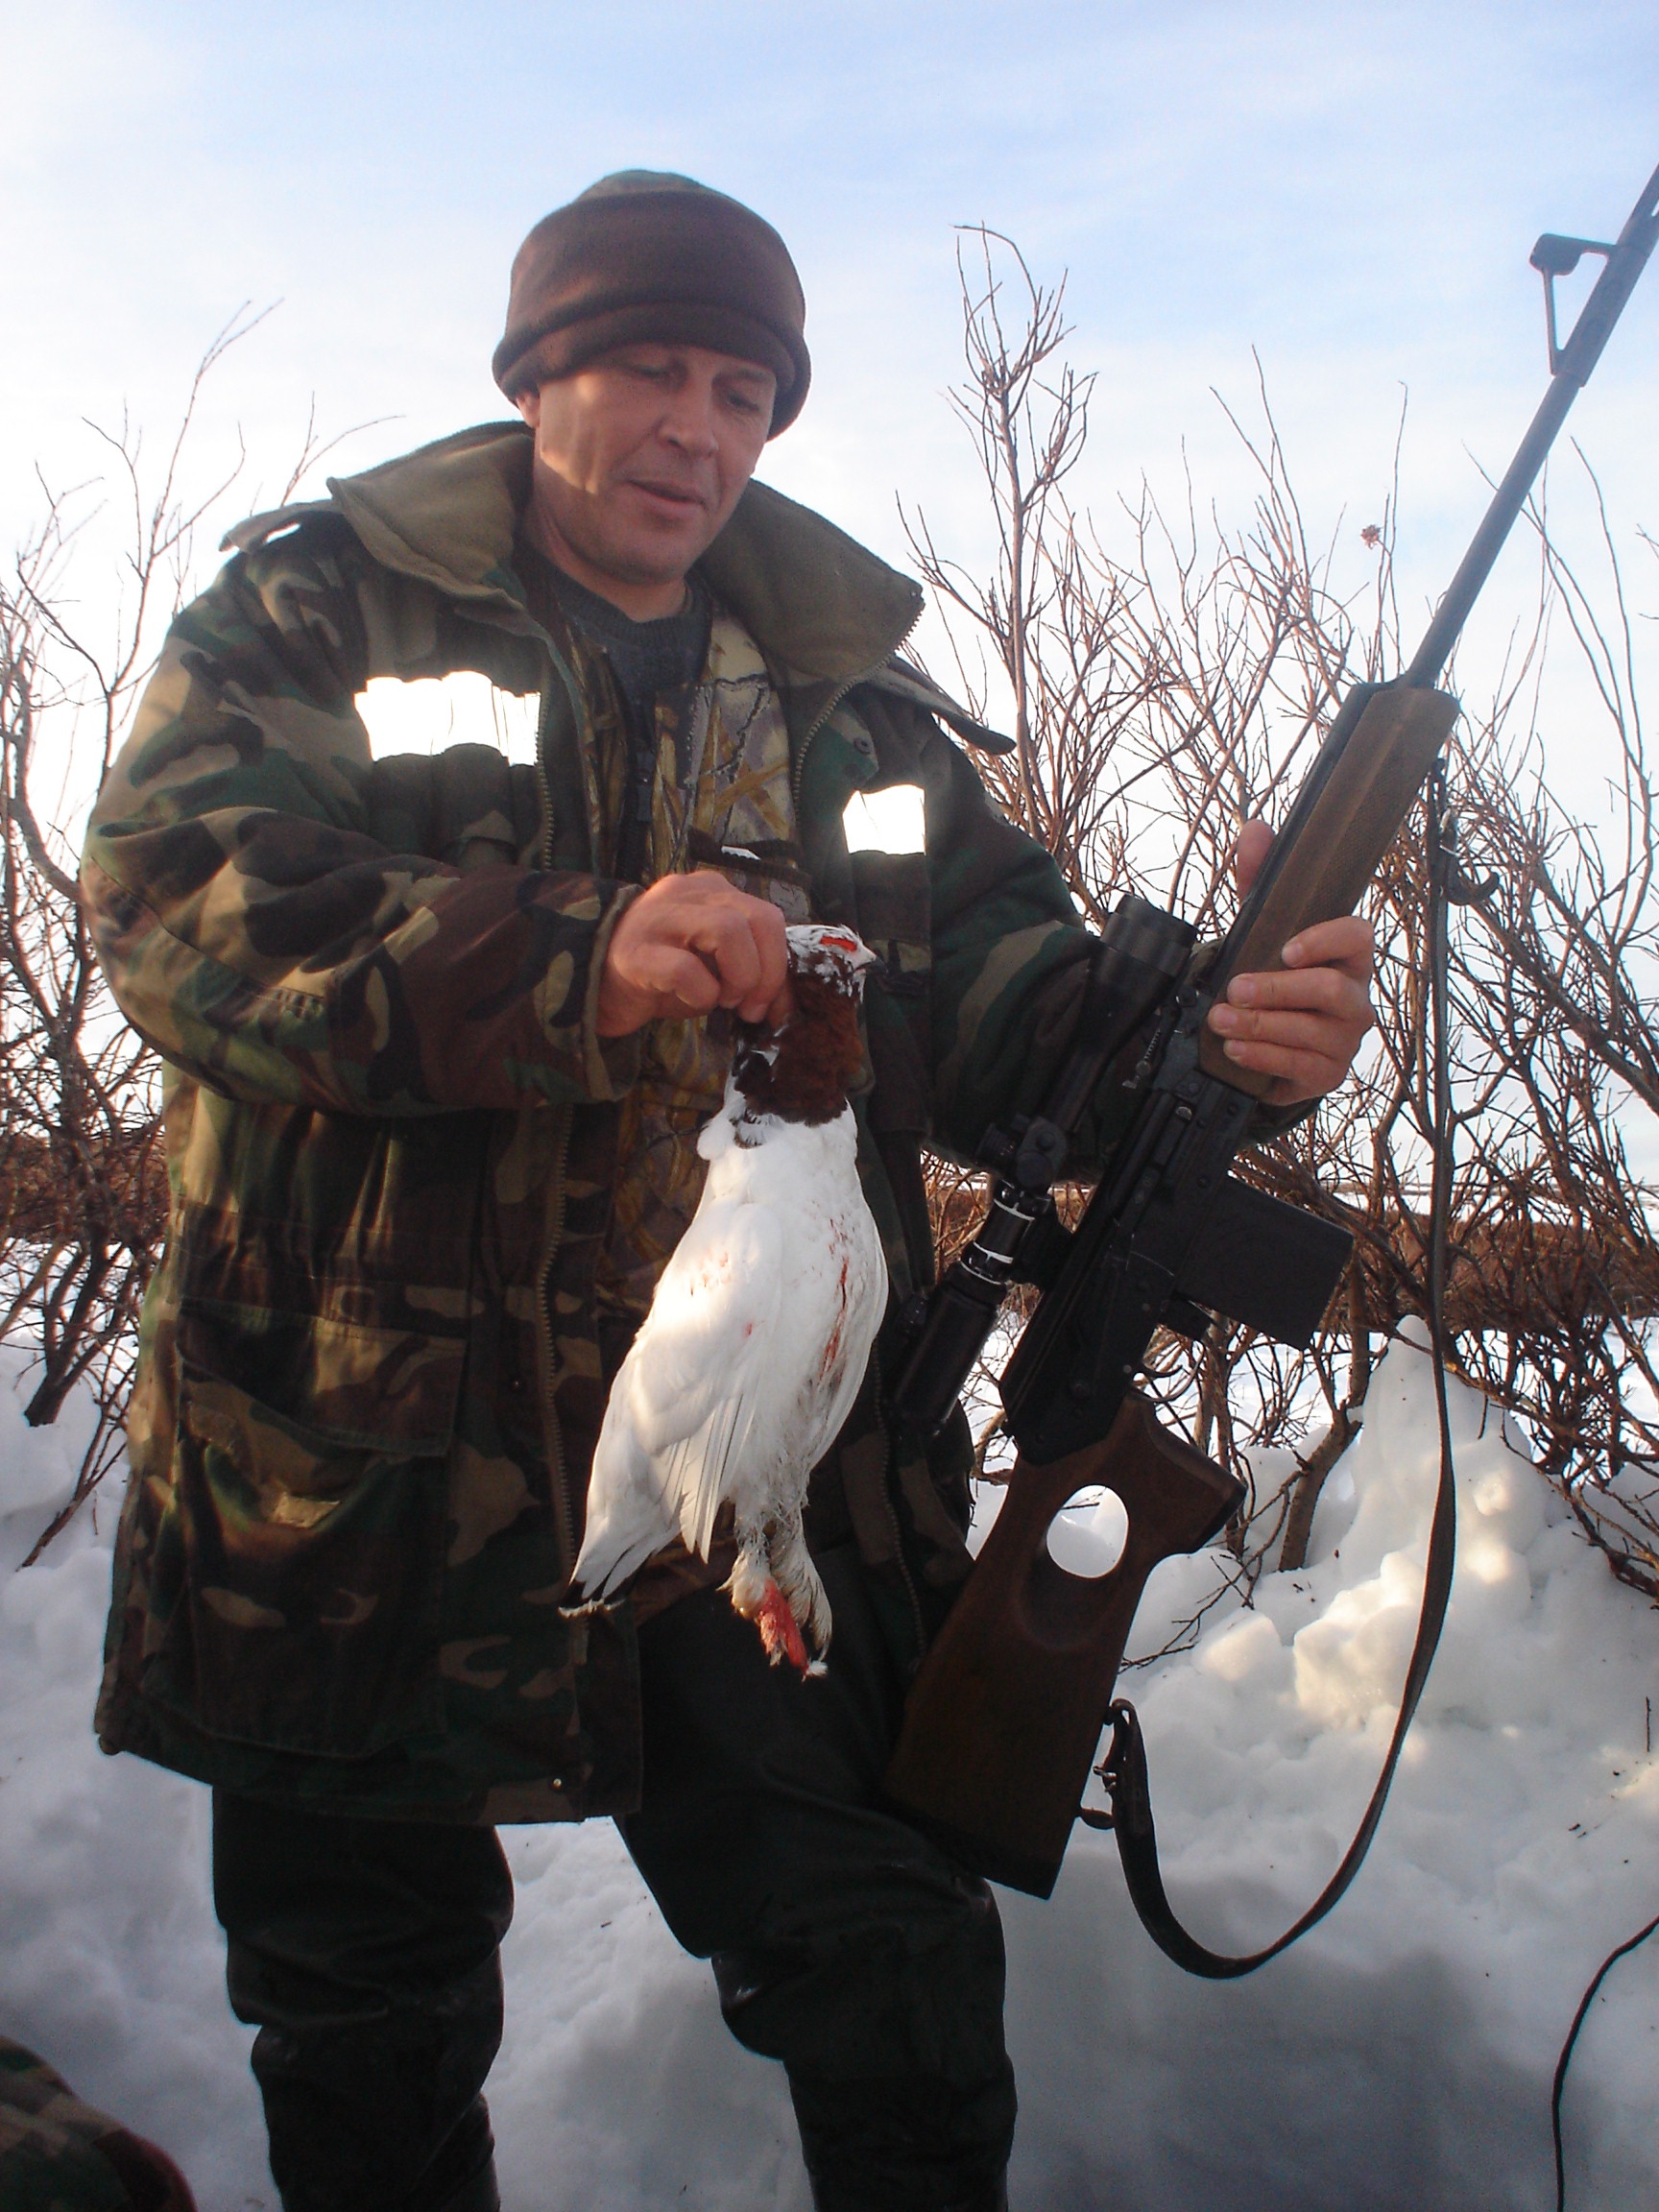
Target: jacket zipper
{"points": [[835, 698], [558, 1473]]}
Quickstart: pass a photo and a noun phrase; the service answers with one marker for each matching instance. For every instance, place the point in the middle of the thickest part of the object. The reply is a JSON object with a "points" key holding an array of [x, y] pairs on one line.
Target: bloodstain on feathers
{"points": [[780, 1630], [833, 1349]]}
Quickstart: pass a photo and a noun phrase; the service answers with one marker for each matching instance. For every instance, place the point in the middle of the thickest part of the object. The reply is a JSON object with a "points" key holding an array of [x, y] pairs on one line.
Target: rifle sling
{"points": [[1124, 1769]]}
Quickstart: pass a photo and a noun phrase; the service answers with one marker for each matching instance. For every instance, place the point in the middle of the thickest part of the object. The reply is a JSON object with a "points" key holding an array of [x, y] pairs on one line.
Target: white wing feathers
{"points": [[750, 1356], [677, 1405]]}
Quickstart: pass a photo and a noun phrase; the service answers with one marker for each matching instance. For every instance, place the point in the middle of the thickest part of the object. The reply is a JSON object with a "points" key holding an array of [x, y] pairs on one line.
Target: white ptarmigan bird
{"points": [[762, 1324]]}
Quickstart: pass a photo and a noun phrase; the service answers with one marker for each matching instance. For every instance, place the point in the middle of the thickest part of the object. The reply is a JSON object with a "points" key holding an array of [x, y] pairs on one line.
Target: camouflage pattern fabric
{"points": [[371, 1370], [58, 2154], [723, 799]]}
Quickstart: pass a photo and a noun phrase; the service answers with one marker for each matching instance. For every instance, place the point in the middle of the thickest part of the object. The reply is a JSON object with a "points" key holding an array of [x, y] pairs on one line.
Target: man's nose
{"points": [[690, 421]]}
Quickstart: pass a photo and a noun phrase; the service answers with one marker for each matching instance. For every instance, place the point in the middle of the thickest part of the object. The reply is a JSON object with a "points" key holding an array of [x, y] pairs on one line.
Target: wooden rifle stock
{"points": [[1005, 1715]]}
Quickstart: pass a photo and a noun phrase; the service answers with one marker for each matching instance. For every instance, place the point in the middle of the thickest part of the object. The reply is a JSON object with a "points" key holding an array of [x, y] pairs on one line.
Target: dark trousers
{"points": [[843, 1943]]}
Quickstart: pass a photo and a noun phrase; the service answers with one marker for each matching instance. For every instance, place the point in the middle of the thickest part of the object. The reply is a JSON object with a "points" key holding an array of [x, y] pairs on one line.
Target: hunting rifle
{"points": [[1006, 1713]]}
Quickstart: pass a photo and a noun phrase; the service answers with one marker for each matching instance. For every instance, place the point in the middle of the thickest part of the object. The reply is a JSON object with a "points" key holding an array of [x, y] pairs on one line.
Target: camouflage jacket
{"points": [[370, 1380]]}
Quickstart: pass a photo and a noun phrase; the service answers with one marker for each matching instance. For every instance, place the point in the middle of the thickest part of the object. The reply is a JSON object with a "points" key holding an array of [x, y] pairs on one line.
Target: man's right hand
{"points": [[688, 945]]}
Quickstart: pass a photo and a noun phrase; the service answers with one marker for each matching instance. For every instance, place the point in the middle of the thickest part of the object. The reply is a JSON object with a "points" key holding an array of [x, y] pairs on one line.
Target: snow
{"points": [[1400, 2056]]}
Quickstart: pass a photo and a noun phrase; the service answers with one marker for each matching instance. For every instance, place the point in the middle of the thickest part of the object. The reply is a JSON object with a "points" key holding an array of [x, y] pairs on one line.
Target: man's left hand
{"points": [[1303, 1022]]}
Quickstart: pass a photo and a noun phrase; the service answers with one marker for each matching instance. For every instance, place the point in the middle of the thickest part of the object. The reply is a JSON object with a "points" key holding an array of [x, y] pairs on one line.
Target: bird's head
{"points": [[836, 957], [803, 1074]]}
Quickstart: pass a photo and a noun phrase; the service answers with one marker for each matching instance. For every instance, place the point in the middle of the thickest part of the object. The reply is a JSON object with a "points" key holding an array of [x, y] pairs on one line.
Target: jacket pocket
{"points": [[385, 1385], [308, 1614]]}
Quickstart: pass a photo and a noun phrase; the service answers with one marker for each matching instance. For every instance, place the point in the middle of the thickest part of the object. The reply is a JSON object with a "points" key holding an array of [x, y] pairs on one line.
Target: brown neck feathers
{"points": [[818, 1054]]}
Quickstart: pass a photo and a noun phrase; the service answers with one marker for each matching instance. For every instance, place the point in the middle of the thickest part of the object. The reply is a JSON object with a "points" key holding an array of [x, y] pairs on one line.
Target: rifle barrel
{"points": [[1625, 262]]}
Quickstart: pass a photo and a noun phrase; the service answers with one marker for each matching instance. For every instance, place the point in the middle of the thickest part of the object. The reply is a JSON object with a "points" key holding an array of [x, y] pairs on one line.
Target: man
{"points": [[440, 1033]]}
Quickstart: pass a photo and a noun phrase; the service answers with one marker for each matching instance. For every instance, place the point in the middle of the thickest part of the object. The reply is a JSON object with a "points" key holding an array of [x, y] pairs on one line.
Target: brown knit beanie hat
{"points": [[647, 256]]}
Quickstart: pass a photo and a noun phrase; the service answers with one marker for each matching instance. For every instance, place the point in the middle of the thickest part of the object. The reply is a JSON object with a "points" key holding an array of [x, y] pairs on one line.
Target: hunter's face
{"points": [[640, 458]]}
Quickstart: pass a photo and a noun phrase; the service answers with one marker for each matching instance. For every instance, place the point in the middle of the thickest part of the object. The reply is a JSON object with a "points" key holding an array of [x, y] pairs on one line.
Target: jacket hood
{"points": [[824, 610]]}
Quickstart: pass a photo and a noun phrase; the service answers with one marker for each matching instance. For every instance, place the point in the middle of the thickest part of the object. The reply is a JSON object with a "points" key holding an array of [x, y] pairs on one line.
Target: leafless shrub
{"points": [[1165, 693], [82, 1187]]}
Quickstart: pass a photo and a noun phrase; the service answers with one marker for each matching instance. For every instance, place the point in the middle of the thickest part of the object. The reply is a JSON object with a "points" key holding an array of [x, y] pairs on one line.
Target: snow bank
{"points": [[110, 1959], [1400, 2056]]}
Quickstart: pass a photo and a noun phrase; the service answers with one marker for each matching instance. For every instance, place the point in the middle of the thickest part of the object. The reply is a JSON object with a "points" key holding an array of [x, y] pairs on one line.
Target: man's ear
{"points": [[529, 404]]}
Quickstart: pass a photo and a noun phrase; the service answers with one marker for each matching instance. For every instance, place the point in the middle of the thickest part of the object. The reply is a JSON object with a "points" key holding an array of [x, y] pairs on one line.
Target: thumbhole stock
{"points": [[1087, 1536]]}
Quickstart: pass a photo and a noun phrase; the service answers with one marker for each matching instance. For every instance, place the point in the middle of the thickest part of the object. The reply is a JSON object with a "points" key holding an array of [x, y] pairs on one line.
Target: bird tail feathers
{"points": [[610, 1555], [695, 1471]]}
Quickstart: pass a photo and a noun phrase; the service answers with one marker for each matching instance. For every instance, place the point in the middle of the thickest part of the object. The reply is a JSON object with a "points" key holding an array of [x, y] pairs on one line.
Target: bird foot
{"points": [[780, 1630]]}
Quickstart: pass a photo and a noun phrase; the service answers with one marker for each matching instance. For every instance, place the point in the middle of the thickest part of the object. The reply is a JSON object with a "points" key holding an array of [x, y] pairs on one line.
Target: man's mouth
{"points": [[681, 496]]}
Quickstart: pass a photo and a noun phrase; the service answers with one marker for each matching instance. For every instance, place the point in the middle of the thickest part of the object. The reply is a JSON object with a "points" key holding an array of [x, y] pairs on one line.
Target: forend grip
{"points": [[1322, 861]]}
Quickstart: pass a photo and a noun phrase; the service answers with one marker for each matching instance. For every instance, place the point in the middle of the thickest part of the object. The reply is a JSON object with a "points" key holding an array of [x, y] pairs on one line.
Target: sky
{"points": [[1351, 191]]}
